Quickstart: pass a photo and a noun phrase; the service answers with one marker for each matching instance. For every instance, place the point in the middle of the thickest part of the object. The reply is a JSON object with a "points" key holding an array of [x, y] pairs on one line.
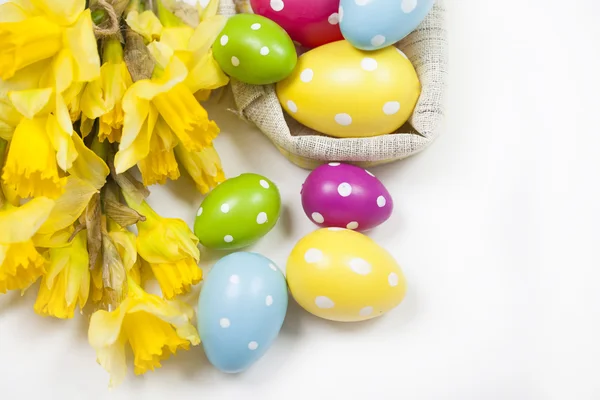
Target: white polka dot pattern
{"points": [[307, 75], [343, 119], [224, 322], [391, 107], [313, 256], [409, 6], [318, 218], [277, 5], [360, 266], [344, 189], [324, 302], [378, 40], [368, 64]]}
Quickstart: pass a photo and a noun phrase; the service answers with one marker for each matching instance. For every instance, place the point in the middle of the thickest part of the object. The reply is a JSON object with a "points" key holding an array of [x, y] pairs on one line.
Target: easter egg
{"points": [[241, 309], [342, 275], [345, 196], [311, 23], [238, 212], [344, 92], [375, 24], [253, 49]]}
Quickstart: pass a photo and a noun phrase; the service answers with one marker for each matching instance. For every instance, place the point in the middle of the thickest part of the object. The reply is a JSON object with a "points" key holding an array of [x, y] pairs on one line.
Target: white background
{"points": [[497, 228]]}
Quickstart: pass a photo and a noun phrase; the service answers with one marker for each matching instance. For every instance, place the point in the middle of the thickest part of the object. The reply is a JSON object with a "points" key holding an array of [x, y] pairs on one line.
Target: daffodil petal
{"points": [[206, 74], [63, 70], [88, 165], [139, 148], [105, 326], [171, 314], [9, 119], [65, 12], [54, 239], [112, 358], [125, 242], [11, 12], [82, 43], [205, 35], [30, 102], [21, 223], [146, 24], [178, 37], [161, 53], [69, 205], [136, 113], [210, 10], [61, 141]]}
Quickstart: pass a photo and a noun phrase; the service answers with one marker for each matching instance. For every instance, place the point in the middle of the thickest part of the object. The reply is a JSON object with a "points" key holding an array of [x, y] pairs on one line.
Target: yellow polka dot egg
{"points": [[345, 92], [342, 275]]}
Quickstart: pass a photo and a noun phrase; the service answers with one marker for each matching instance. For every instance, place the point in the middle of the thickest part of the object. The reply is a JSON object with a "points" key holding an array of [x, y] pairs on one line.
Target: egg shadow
{"points": [[11, 300], [286, 221], [297, 319]]}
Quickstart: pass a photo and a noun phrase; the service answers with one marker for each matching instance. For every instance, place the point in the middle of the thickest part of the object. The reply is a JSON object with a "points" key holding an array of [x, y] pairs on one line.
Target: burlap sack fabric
{"points": [[426, 48]]}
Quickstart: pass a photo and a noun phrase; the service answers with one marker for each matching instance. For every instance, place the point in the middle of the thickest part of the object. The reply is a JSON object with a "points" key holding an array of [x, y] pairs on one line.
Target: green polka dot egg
{"points": [[238, 212], [253, 49]]}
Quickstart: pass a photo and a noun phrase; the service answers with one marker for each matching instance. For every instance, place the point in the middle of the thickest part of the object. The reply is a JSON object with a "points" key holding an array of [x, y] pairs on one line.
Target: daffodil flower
{"points": [[34, 31], [102, 97], [31, 168], [67, 281], [204, 167], [20, 263], [160, 164], [191, 46], [166, 96], [153, 327], [170, 248]]}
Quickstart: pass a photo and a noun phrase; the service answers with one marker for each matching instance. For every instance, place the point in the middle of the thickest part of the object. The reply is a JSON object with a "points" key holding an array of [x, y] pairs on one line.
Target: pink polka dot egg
{"points": [[345, 196]]}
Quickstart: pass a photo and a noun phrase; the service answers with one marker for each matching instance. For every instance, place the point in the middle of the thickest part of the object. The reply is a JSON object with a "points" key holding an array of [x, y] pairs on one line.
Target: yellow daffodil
{"points": [[67, 281], [204, 167], [154, 329], [102, 97], [31, 168], [192, 46], [145, 23], [170, 248], [160, 164], [34, 31], [66, 211], [20, 263], [167, 96]]}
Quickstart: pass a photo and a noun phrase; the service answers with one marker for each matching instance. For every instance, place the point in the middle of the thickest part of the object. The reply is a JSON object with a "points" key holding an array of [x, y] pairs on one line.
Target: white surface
{"points": [[496, 227]]}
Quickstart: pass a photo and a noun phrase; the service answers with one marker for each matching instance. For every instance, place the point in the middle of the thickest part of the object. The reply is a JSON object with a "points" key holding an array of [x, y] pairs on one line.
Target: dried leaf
{"points": [[114, 276], [93, 223], [121, 214], [128, 184], [140, 62], [187, 13], [119, 6], [69, 206]]}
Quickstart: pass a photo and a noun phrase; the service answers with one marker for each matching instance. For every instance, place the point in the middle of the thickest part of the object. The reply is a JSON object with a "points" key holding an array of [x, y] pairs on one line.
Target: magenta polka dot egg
{"points": [[345, 196]]}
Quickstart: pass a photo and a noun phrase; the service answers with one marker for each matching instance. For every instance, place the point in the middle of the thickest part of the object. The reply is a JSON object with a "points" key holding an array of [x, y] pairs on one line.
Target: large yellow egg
{"points": [[343, 275], [344, 92]]}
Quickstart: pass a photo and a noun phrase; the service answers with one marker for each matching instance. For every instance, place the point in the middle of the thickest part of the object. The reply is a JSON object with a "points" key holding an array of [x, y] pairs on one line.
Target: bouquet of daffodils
{"points": [[88, 91]]}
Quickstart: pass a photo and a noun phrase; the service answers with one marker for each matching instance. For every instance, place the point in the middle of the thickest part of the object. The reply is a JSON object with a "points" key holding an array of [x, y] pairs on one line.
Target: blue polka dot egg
{"points": [[241, 309], [375, 24]]}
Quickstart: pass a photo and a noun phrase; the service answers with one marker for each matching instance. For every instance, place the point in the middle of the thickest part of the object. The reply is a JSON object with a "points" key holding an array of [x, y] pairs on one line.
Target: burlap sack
{"points": [[426, 48]]}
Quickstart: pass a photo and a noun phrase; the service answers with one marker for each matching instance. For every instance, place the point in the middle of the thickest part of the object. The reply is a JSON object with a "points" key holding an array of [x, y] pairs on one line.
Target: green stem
{"points": [[144, 209]]}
